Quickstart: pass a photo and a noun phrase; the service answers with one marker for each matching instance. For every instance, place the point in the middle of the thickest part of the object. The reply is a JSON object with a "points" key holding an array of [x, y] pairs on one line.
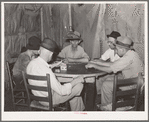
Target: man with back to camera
{"points": [[74, 52], [110, 55], [60, 93], [129, 64]]}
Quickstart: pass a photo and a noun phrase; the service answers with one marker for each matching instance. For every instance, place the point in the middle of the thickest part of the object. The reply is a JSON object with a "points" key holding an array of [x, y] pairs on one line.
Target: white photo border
{"points": [[59, 116]]}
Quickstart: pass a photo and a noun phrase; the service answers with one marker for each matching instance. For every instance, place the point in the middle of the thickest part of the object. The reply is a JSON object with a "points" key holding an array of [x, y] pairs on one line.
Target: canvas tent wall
{"points": [[21, 22], [93, 21]]}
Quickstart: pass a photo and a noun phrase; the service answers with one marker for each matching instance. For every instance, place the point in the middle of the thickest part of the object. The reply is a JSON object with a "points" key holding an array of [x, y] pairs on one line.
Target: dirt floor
{"points": [[8, 106]]}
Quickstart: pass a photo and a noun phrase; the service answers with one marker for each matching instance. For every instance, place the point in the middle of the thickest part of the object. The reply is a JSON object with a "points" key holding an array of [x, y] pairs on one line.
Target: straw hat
{"points": [[73, 36]]}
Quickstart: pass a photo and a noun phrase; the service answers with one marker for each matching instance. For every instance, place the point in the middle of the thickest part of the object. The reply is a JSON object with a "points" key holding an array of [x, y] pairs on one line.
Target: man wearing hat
{"points": [[60, 93], [24, 58], [74, 52], [129, 64], [110, 55]]}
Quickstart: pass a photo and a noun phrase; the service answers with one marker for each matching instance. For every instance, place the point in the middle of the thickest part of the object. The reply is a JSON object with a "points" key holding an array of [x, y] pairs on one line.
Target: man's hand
{"points": [[90, 65], [55, 64], [65, 61]]}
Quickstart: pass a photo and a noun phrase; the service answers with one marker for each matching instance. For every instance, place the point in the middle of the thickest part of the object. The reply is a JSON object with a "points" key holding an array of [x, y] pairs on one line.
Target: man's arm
{"points": [[77, 80], [101, 62], [99, 67]]}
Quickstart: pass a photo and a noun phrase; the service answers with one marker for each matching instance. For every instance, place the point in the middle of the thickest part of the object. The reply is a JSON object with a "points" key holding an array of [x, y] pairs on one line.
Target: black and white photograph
{"points": [[74, 60]]}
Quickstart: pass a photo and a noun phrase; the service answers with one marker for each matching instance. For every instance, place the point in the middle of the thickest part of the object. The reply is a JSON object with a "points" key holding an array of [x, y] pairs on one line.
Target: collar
{"points": [[43, 61], [129, 51], [75, 49]]}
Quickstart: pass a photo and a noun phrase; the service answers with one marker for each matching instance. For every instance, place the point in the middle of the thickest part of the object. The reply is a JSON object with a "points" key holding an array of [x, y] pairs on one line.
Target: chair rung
{"points": [[125, 103], [20, 104], [19, 90], [19, 97], [37, 105]]}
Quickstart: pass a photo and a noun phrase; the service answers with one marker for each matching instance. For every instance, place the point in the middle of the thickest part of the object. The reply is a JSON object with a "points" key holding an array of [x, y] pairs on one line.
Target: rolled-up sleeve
{"points": [[120, 64], [106, 56]]}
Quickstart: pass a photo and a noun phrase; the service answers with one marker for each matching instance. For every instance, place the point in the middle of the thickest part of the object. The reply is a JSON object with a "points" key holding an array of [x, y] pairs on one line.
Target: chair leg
{"points": [[23, 95], [14, 107], [67, 106], [7, 86]]}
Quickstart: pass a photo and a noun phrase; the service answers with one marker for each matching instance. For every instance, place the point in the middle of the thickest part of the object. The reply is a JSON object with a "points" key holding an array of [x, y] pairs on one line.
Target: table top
{"points": [[78, 69]]}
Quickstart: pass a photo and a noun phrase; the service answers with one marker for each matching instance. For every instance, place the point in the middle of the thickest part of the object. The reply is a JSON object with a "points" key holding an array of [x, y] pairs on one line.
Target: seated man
{"points": [[74, 52], [61, 93], [129, 63], [110, 55], [24, 58]]}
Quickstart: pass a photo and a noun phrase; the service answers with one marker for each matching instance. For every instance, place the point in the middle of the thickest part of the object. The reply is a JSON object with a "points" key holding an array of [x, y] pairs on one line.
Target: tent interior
{"points": [[92, 21]]}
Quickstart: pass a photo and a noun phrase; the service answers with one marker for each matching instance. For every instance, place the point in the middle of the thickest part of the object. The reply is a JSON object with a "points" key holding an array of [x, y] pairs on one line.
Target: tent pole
{"points": [[70, 19], [41, 17]]}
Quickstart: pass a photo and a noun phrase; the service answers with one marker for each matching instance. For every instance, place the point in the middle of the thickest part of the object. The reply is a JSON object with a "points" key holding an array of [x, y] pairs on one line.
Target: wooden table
{"points": [[89, 97]]}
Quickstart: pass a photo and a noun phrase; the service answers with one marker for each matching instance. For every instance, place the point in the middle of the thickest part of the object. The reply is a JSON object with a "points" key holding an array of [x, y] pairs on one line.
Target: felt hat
{"points": [[50, 45], [73, 36], [124, 42], [33, 43], [114, 34]]}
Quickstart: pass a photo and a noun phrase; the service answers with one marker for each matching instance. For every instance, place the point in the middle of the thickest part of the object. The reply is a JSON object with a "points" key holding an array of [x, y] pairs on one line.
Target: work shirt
{"points": [[21, 64], [40, 68], [110, 54], [130, 65], [68, 53]]}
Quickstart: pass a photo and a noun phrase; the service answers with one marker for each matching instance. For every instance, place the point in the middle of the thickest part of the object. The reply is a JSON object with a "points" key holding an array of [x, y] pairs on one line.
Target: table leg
{"points": [[89, 96]]}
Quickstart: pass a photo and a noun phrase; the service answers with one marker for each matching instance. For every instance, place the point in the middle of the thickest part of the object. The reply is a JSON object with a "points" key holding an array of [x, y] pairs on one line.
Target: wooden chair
{"points": [[126, 98], [33, 101], [18, 93]]}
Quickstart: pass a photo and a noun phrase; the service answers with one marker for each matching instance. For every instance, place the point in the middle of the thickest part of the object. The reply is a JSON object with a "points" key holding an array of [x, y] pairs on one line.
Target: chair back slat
{"points": [[128, 92], [127, 82], [38, 88], [29, 88], [36, 77], [126, 103], [36, 98], [132, 94]]}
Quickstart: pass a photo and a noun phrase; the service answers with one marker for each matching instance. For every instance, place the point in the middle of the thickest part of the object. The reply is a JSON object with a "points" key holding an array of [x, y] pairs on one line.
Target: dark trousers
{"points": [[18, 81]]}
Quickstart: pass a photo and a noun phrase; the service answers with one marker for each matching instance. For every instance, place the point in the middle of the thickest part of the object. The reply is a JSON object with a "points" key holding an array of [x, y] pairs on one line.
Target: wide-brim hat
{"points": [[73, 36], [114, 34], [50, 45], [124, 42], [33, 43]]}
